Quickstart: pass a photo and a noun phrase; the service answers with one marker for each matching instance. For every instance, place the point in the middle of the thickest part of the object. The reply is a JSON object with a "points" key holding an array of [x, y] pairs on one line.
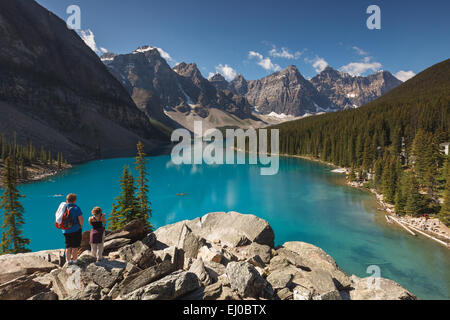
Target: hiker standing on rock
{"points": [[69, 219], [97, 235]]}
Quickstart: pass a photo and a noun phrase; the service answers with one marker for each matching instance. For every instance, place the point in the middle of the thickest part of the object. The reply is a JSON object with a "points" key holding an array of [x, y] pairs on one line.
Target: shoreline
{"points": [[433, 227]]}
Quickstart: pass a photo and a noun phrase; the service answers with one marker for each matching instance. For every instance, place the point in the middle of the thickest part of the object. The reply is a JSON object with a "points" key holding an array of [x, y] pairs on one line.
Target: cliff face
{"points": [[216, 257], [347, 91], [56, 92]]}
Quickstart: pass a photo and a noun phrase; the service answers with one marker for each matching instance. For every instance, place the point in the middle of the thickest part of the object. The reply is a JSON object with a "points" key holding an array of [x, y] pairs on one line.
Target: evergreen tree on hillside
{"points": [[142, 186], [444, 214], [414, 202], [13, 240], [401, 195]]}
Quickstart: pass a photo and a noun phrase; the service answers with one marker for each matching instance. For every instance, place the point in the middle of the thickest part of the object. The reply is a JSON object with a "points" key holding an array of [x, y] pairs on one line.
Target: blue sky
{"points": [[248, 36]]}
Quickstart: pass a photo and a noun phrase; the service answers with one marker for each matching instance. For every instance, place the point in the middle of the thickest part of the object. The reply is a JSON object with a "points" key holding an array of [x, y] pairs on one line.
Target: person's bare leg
{"points": [[94, 248]]}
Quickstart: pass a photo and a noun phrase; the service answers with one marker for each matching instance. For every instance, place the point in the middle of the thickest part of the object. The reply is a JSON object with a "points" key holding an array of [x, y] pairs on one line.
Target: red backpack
{"points": [[67, 220]]}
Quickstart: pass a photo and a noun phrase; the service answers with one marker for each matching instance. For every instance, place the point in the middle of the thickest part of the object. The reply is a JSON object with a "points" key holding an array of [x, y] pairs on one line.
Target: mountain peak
{"points": [[217, 77]]}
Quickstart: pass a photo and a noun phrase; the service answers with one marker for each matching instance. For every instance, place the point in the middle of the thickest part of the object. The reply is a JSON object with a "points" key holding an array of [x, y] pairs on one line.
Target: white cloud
{"points": [[265, 63], [359, 51], [89, 38], [359, 68], [228, 72], [404, 75], [284, 53], [318, 63]]}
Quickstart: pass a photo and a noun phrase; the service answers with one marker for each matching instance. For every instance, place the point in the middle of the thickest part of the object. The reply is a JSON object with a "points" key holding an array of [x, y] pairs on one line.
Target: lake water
{"points": [[305, 201]]}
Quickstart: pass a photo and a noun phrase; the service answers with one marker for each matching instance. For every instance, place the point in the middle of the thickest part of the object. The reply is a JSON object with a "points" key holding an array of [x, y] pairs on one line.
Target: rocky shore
{"points": [[220, 256]]}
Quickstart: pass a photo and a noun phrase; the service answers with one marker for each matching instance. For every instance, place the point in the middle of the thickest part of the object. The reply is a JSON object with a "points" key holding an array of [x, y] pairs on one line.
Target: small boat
{"points": [[181, 194]]}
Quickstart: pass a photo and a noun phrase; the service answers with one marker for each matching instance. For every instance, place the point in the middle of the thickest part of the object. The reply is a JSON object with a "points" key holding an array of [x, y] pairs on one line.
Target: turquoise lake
{"points": [[305, 201]]}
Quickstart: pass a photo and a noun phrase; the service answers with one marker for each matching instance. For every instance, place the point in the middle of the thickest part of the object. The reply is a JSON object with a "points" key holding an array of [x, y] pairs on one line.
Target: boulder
{"points": [[67, 281], [252, 250], [21, 288], [247, 281], [115, 244], [210, 292], [174, 254], [279, 279], [170, 287], [378, 289], [313, 257], [233, 229], [189, 242], [104, 273], [138, 254], [142, 278], [302, 293], [150, 240], [134, 231], [14, 266], [210, 254], [198, 267], [90, 292], [321, 280]]}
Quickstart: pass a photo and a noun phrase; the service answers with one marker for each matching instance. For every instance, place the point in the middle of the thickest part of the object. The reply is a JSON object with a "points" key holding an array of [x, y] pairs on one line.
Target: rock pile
{"points": [[218, 256]]}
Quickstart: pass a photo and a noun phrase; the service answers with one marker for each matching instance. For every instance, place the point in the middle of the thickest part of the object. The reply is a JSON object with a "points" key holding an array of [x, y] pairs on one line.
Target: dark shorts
{"points": [[73, 240]]}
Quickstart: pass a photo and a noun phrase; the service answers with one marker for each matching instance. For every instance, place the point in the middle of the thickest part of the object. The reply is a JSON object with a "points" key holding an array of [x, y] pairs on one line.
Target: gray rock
{"points": [[150, 240], [303, 293], [140, 279], [174, 254], [321, 280], [115, 244], [21, 288], [134, 231], [189, 242], [378, 289], [198, 267], [138, 254], [313, 257], [247, 281], [105, 273], [230, 228], [211, 292], [14, 266], [279, 279], [170, 287]]}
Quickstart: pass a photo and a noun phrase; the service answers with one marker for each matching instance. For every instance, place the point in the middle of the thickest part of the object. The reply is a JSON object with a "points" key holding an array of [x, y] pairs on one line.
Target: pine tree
{"points": [[414, 202], [142, 186], [13, 240], [125, 208], [444, 214], [402, 194]]}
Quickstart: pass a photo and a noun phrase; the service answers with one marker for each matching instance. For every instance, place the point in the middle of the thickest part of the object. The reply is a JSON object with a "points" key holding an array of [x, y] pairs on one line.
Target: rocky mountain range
{"points": [[56, 93], [180, 93], [177, 96]]}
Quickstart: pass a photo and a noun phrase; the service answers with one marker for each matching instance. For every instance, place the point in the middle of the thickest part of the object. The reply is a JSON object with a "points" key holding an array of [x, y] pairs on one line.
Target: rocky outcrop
{"points": [[220, 256]]}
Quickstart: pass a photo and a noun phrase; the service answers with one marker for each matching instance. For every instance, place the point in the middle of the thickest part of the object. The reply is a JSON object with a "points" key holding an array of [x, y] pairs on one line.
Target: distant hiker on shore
{"points": [[69, 219], [97, 236]]}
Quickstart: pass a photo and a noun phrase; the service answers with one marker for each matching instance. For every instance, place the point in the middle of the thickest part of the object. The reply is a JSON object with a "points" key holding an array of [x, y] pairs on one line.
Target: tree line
{"points": [[24, 156]]}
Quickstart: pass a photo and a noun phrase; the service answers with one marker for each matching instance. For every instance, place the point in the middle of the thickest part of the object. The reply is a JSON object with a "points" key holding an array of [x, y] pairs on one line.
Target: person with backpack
{"points": [[70, 221], [97, 235]]}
